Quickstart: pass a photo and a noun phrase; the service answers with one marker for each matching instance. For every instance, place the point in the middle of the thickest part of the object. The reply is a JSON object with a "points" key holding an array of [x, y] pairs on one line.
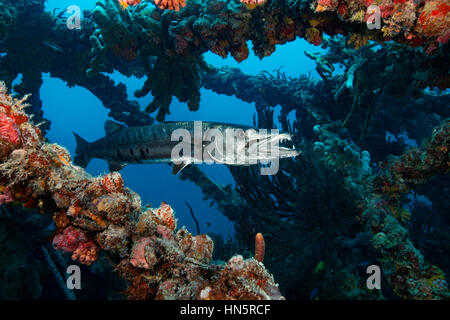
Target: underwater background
{"points": [[84, 114], [370, 187]]}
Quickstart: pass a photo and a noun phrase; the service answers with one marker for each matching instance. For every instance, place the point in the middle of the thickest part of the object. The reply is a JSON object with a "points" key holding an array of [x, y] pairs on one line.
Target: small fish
{"points": [[207, 224], [154, 144], [52, 45]]}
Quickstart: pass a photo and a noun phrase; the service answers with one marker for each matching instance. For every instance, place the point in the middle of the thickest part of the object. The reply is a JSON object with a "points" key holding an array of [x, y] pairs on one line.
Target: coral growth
{"points": [[314, 36], [376, 92], [410, 21], [171, 4], [70, 239], [125, 3], [371, 223], [100, 213], [410, 275], [6, 196], [251, 4], [166, 46], [9, 134], [253, 273], [260, 247], [416, 166], [327, 5], [434, 20], [77, 242]]}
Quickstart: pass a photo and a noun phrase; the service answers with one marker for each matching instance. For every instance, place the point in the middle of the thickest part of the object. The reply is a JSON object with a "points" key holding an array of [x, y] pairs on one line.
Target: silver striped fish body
{"points": [[146, 144], [155, 144]]}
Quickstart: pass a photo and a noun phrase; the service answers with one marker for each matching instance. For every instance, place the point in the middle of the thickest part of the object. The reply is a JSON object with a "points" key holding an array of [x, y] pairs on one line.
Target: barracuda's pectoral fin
{"points": [[115, 166], [180, 166]]}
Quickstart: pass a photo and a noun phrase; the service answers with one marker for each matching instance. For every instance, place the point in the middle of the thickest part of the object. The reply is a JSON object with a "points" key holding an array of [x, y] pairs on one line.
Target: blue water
{"points": [[76, 109]]}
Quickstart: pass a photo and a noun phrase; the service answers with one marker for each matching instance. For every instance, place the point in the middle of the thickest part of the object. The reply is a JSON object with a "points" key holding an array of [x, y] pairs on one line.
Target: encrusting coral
{"points": [[125, 3], [381, 212], [404, 265], [412, 20], [99, 213], [171, 4], [416, 166], [251, 4], [166, 46], [178, 38]]}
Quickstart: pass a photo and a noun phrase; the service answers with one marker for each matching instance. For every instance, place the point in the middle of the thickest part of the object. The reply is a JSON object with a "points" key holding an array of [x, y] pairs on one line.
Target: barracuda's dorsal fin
{"points": [[111, 127], [178, 167], [115, 166]]}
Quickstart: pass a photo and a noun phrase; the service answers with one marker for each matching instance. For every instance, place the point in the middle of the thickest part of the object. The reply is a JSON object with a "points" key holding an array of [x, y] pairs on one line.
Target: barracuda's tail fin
{"points": [[81, 152]]}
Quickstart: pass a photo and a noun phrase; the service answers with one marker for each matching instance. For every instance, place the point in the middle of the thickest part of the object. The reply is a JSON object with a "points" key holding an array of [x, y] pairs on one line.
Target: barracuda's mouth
{"points": [[251, 147], [266, 147]]}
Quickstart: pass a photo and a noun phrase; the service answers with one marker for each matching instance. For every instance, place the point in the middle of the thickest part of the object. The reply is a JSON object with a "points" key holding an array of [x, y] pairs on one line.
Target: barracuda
{"points": [[155, 144]]}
